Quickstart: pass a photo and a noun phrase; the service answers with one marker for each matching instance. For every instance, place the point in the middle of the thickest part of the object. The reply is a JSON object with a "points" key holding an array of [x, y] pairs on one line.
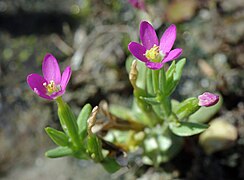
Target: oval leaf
{"points": [[187, 128], [58, 137], [59, 152], [82, 119]]}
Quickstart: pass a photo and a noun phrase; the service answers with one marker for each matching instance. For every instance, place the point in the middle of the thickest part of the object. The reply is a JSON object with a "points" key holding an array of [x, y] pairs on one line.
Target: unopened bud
{"points": [[208, 99]]}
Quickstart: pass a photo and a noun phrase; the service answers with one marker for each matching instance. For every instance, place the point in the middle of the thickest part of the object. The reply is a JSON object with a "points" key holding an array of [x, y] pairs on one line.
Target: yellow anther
{"points": [[51, 87], [154, 54]]}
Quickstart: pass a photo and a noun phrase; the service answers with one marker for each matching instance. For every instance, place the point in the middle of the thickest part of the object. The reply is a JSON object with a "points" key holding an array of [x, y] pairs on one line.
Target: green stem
{"points": [[155, 77], [166, 106], [162, 81]]}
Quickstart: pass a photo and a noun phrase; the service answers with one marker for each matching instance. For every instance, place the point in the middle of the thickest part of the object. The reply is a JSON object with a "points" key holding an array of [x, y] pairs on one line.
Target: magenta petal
{"points": [[148, 35], [35, 82], [168, 38], [50, 69], [154, 65], [65, 78], [172, 55], [138, 51], [57, 94]]}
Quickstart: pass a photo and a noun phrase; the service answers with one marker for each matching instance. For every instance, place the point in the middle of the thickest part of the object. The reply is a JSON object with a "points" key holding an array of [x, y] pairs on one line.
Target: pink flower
{"points": [[51, 85], [139, 4], [208, 99], [152, 52]]}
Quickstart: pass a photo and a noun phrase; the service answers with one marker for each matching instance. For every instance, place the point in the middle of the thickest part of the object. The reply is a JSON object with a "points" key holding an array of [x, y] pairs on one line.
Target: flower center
{"points": [[154, 54], [51, 87]]}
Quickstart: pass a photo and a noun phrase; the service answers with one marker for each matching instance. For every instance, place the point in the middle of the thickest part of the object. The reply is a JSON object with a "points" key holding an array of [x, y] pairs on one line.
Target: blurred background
{"points": [[92, 36]]}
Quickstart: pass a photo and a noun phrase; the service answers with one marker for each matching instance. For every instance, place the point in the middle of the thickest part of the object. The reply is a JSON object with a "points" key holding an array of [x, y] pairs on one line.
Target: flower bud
{"points": [[208, 99]]}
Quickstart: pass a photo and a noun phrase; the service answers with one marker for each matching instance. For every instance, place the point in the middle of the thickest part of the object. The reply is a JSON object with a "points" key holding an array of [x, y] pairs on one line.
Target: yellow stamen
{"points": [[154, 54], [51, 87]]}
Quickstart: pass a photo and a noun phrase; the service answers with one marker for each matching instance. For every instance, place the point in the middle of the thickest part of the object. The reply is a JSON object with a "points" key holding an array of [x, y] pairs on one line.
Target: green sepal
{"points": [[94, 147], [204, 114], [68, 122], [82, 120], [110, 164], [187, 128], [59, 152], [187, 108], [58, 137]]}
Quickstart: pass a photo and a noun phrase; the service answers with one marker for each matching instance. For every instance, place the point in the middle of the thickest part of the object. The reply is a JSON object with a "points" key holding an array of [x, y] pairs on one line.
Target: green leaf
{"points": [[173, 80], [59, 152], [110, 165], [187, 128], [68, 121], [170, 86], [187, 108], [204, 114], [178, 69], [58, 137], [82, 120], [171, 70]]}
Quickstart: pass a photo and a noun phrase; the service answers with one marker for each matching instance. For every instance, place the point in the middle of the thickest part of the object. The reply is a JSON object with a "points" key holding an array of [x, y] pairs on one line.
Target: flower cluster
{"points": [[162, 122]]}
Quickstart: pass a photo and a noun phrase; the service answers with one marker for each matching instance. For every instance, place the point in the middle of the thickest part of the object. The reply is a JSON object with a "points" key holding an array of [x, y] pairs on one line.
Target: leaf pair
{"points": [[72, 139]]}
